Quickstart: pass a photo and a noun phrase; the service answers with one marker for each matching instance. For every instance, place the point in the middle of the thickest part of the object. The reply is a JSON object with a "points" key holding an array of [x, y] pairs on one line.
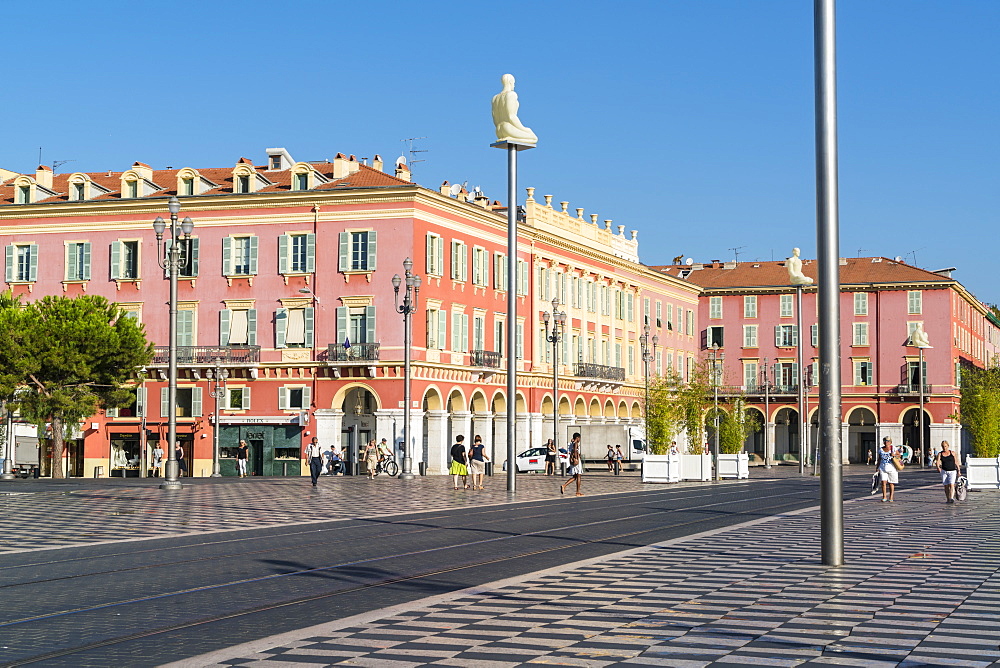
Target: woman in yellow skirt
{"points": [[459, 462]]}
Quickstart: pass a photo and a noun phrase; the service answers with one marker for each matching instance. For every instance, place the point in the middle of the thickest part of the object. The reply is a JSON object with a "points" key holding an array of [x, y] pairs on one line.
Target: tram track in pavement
{"points": [[463, 557]]}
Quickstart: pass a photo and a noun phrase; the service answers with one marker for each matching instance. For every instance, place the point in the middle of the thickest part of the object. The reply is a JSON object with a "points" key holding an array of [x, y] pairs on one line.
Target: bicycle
{"points": [[388, 466]]}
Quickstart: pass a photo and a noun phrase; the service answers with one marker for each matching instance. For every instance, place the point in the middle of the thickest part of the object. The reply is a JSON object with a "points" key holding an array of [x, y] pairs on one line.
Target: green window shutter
{"points": [[116, 259], [72, 262], [252, 327], [282, 398], [430, 326], [227, 256], [310, 252], [306, 397], [10, 263], [372, 243], [283, 243], [795, 335], [111, 412], [280, 327], [442, 325], [454, 260], [310, 318], [185, 328], [86, 261], [196, 402], [140, 402], [342, 323], [456, 332], [370, 324], [164, 402], [777, 335], [193, 245], [520, 342], [430, 254], [345, 251], [224, 316], [253, 255], [245, 399], [465, 333]]}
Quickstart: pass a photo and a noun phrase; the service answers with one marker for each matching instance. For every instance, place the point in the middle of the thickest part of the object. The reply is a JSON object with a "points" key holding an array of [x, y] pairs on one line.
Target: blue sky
{"points": [[690, 121]]}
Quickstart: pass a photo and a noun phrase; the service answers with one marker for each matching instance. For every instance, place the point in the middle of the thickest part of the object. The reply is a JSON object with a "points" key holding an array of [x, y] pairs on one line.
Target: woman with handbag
{"points": [[949, 466], [889, 466]]}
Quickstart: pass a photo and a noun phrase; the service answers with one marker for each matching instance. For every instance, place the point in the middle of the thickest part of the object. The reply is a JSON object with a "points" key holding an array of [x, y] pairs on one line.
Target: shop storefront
{"points": [[275, 449]]}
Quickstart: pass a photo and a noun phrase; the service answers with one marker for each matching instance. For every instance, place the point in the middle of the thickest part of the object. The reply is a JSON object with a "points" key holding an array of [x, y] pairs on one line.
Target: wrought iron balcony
{"points": [[359, 352], [209, 355], [780, 388], [912, 388], [486, 358], [598, 371]]}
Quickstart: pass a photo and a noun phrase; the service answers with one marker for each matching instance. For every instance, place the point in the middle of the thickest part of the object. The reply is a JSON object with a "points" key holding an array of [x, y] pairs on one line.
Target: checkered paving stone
{"points": [[921, 587]]}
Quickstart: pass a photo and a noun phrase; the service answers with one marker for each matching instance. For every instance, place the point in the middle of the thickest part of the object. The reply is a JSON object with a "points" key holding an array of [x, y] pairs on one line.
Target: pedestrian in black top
{"points": [[477, 462], [182, 466], [314, 455], [575, 465], [550, 457], [949, 466], [242, 455]]}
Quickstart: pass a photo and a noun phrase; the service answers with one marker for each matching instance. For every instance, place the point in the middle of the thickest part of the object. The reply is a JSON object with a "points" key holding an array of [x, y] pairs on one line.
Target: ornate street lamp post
{"points": [[217, 393], [648, 355], [171, 259], [407, 308], [554, 336]]}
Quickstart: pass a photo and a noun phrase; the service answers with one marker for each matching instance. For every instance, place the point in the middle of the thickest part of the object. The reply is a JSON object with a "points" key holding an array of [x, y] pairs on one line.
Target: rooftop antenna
{"points": [[863, 250], [56, 164], [736, 252], [413, 151], [914, 254]]}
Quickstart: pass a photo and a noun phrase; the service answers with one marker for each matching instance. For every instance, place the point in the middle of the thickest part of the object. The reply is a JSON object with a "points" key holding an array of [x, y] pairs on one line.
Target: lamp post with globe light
{"points": [[407, 308], [172, 258], [554, 336]]}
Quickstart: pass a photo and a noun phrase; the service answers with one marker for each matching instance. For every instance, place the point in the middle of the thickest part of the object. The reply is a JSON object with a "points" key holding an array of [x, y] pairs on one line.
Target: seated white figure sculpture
{"points": [[919, 337], [794, 266], [508, 125]]}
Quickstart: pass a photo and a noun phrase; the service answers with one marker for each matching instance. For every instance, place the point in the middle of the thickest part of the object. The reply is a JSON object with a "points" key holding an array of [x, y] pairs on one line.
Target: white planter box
{"points": [[696, 467], [983, 472], [661, 468], [734, 466]]}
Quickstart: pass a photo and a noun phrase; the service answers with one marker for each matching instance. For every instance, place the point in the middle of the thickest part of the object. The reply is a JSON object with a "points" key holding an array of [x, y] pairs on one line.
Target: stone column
{"points": [[893, 430], [522, 435], [845, 445], [461, 424], [389, 425], [482, 424], [769, 447], [328, 423], [437, 442], [496, 444], [537, 434]]}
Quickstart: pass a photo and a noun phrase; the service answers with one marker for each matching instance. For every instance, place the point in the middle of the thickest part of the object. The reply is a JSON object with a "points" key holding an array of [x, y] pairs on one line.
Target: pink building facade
{"points": [[749, 310], [288, 287]]}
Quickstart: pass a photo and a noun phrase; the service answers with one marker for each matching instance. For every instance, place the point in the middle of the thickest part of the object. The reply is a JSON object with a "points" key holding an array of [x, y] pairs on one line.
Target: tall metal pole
{"points": [[715, 402], [767, 417], [9, 448], [217, 393], [511, 314], [558, 319], [172, 262], [800, 380], [828, 245], [409, 305], [920, 415]]}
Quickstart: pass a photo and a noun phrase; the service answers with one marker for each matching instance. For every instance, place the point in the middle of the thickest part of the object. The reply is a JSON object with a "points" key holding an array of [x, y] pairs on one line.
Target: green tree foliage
{"points": [[980, 409], [676, 407], [736, 426], [75, 355]]}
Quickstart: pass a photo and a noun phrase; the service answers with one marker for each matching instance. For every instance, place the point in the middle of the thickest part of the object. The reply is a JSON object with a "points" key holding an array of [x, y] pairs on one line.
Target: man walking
{"points": [[575, 465], [314, 455]]}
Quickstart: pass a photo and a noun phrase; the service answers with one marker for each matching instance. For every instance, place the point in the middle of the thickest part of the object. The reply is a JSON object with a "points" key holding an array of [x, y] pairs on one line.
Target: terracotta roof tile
{"points": [[856, 271]]}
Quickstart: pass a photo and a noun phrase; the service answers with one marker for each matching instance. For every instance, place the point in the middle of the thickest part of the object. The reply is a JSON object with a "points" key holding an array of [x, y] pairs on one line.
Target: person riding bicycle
{"points": [[384, 453]]}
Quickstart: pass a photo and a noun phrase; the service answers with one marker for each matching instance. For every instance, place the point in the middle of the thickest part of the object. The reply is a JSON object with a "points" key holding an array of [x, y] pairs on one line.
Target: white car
{"points": [[534, 460]]}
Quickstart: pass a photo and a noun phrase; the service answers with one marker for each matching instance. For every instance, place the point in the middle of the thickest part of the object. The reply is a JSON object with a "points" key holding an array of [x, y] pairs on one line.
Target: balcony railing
{"points": [[486, 358], [587, 370], [912, 388], [359, 352], [209, 354]]}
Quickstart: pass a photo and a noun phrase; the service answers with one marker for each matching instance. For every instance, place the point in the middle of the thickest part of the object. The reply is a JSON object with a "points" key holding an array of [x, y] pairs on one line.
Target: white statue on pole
{"points": [[919, 338], [794, 266], [509, 127]]}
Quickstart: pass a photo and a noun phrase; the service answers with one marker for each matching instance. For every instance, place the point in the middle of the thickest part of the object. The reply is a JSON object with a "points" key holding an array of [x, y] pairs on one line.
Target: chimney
{"points": [[445, 188], [377, 163], [402, 172], [340, 168], [43, 176]]}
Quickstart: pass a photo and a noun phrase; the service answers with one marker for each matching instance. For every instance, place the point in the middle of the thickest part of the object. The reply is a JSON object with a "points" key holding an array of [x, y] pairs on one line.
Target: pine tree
{"points": [[74, 356]]}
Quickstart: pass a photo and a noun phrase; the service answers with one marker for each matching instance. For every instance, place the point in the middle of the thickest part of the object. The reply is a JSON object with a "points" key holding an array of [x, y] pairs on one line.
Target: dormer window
{"points": [[275, 162], [301, 182], [187, 186], [132, 189], [24, 194], [243, 184], [79, 192]]}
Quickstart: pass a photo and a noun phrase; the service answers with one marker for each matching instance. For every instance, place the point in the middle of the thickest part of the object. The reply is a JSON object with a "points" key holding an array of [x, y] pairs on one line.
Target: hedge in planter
{"points": [[980, 409]]}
